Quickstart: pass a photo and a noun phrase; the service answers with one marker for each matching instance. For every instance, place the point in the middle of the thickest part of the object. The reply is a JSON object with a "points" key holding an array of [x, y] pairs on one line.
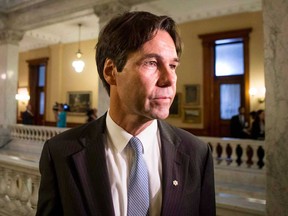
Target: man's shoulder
{"points": [[235, 119], [184, 136], [184, 141], [78, 134]]}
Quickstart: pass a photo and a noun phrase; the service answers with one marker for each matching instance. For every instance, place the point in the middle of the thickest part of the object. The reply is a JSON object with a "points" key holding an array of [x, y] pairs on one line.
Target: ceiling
{"points": [[66, 31]]}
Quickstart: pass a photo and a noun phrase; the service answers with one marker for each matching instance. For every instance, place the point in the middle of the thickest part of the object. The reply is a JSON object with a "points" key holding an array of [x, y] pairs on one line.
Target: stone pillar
{"points": [[8, 75], [275, 16], [105, 12]]}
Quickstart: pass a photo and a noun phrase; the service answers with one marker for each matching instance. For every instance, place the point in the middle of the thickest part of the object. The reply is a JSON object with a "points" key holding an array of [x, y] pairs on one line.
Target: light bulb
{"points": [[78, 65]]}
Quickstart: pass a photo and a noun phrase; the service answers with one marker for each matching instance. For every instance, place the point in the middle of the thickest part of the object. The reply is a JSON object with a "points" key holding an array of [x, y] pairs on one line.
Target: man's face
{"points": [[147, 84], [242, 110]]}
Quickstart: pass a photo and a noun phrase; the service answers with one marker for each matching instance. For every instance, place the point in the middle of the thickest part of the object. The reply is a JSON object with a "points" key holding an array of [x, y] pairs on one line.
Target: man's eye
{"points": [[150, 63], [173, 67]]}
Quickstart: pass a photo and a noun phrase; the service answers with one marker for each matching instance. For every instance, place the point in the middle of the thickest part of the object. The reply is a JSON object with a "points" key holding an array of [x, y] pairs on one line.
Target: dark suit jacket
{"points": [[256, 130], [27, 118], [236, 127], [74, 175]]}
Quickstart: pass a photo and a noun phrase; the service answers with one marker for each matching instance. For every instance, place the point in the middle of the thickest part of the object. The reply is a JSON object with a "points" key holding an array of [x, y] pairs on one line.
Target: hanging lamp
{"points": [[78, 64]]}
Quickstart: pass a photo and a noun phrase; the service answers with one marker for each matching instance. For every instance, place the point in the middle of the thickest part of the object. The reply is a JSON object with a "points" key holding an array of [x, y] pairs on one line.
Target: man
{"points": [[91, 114], [238, 124], [27, 116], [87, 170]]}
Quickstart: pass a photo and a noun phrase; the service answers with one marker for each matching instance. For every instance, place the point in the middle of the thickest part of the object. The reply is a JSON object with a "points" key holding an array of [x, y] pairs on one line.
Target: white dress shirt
{"points": [[119, 157]]}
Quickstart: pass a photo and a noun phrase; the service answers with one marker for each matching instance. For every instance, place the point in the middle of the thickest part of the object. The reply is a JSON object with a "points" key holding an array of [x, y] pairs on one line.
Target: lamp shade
{"points": [[78, 65], [23, 94]]}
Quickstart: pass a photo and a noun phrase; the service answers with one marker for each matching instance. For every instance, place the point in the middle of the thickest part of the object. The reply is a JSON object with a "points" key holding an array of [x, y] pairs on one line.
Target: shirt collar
{"points": [[120, 137]]}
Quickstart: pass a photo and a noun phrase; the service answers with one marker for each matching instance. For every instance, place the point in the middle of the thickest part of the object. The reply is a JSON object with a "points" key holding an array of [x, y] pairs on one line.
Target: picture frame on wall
{"points": [[175, 108], [192, 115], [79, 102], [192, 94]]}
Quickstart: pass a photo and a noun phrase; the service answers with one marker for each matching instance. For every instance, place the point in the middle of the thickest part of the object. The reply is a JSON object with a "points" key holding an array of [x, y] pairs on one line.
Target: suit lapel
{"points": [[92, 170], [175, 169]]}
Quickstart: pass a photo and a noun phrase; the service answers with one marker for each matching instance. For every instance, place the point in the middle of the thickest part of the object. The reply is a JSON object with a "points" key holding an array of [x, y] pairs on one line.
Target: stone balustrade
{"points": [[19, 172], [19, 184], [242, 153], [240, 175], [239, 170], [37, 133]]}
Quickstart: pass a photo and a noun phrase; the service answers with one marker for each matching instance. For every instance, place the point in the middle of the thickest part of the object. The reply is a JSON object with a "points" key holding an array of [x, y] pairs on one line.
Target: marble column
{"points": [[275, 17], [8, 75], [105, 12]]}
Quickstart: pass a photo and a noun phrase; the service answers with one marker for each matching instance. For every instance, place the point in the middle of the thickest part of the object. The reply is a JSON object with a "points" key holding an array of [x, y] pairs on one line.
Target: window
{"points": [[41, 79], [230, 100], [42, 103], [229, 57]]}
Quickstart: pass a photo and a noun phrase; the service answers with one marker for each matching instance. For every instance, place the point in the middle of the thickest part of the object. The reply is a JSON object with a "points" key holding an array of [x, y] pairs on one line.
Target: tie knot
{"points": [[136, 145]]}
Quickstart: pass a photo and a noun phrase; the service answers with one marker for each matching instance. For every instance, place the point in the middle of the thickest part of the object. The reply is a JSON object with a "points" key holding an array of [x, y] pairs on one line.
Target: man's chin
{"points": [[162, 114]]}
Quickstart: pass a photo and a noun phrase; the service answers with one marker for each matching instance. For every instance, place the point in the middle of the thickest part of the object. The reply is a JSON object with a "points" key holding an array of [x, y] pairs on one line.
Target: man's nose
{"points": [[167, 76]]}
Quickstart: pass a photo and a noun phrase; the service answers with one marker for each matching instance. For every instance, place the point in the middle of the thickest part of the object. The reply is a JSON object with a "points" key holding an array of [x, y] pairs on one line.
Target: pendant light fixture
{"points": [[78, 64]]}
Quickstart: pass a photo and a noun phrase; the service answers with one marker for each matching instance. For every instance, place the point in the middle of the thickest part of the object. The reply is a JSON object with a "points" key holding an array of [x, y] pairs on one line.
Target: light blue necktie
{"points": [[138, 189]]}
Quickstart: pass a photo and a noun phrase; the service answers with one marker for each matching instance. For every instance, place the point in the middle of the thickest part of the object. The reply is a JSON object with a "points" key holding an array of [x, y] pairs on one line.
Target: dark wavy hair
{"points": [[126, 33]]}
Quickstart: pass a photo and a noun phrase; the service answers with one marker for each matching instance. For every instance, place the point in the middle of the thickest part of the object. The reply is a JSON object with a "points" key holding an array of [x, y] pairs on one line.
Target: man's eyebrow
{"points": [[154, 55]]}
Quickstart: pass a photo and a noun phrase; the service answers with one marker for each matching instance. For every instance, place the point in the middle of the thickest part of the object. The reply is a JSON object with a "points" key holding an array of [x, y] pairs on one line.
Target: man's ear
{"points": [[109, 72]]}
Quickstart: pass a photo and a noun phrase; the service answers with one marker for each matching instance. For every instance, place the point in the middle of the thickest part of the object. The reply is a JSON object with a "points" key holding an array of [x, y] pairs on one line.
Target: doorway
{"points": [[37, 88], [226, 84]]}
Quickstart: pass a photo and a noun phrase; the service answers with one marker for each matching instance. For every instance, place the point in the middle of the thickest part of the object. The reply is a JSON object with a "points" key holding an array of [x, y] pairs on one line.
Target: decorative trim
{"points": [[8, 36]]}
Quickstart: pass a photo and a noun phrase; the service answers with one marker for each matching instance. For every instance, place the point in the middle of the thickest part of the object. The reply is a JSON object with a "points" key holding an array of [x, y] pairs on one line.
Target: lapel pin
{"points": [[175, 183]]}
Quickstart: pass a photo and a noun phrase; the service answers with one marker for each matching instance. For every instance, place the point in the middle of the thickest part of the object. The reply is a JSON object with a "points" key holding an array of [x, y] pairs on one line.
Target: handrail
{"points": [[19, 185], [244, 153], [39, 133]]}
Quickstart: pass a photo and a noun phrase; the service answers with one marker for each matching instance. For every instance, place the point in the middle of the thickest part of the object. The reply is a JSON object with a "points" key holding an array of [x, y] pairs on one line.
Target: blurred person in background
{"points": [[60, 115], [258, 126], [91, 114], [239, 125], [28, 116]]}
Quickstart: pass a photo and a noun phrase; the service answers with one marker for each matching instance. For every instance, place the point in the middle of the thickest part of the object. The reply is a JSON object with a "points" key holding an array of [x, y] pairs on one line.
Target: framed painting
{"points": [[192, 95], [192, 115], [175, 109], [79, 102]]}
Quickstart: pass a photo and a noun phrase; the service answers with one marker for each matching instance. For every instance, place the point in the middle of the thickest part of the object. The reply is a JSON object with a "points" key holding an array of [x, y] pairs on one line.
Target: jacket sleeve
{"points": [[49, 202], [207, 200]]}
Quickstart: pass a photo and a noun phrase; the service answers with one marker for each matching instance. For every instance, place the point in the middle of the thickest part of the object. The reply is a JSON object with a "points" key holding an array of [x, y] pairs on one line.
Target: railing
{"points": [[19, 184], [240, 175], [242, 153], [37, 133], [19, 178], [226, 151]]}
